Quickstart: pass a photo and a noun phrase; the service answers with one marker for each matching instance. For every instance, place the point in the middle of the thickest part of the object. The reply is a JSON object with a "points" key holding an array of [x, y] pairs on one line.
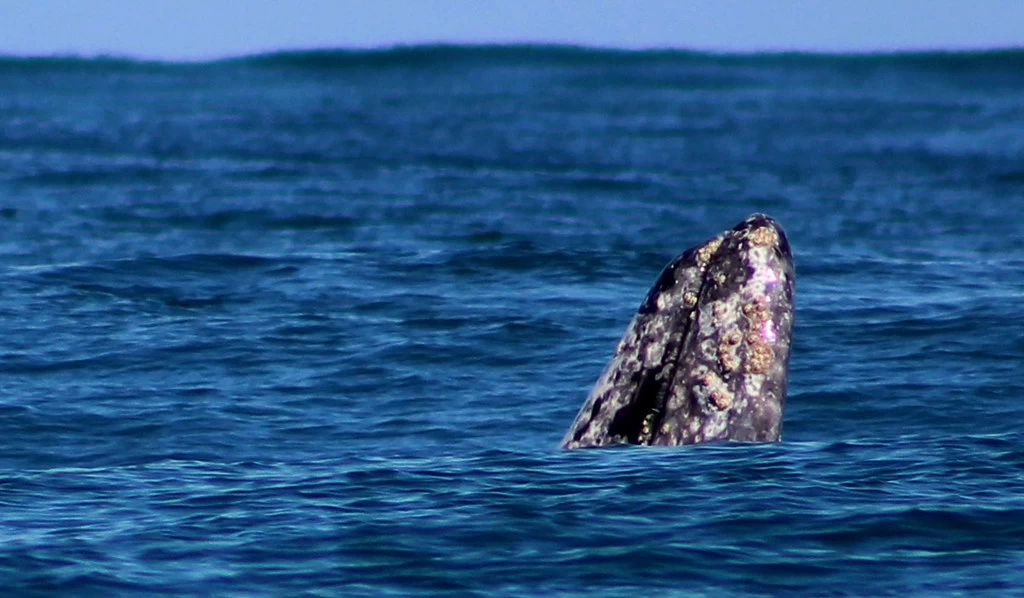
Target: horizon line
{"points": [[499, 45]]}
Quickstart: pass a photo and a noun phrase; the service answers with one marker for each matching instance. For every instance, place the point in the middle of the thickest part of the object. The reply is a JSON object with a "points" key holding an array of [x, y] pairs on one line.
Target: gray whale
{"points": [[707, 354]]}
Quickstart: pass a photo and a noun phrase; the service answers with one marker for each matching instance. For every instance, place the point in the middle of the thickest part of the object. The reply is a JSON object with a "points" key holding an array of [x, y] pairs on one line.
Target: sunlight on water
{"points": [[300, 324]]}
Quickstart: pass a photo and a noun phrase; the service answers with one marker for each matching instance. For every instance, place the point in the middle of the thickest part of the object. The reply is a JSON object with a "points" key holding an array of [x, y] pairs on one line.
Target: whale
{"points": [[706, 356]]}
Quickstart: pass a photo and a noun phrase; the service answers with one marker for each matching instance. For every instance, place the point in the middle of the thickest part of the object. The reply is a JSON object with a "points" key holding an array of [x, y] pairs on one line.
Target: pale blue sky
{"points": [[195, 29]]}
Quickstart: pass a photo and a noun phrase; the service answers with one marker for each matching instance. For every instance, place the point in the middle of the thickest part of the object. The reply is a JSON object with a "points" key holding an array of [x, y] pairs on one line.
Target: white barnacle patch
{"points": [[759, 357], [712, 390], [647, 428], [727, 358], [704, 253], [727, 347], [721, 397], [764, 236], [757, 310]]}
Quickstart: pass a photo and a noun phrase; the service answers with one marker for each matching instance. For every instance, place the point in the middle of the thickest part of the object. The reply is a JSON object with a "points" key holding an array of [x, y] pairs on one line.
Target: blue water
{"points": [[313, 324]]}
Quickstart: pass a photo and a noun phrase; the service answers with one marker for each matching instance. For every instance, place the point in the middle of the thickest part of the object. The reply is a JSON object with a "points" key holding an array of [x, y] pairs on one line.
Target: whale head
{"points": [[707, 354]]}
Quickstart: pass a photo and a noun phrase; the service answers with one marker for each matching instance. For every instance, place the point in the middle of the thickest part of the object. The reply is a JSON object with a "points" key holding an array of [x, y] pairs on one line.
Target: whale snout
{"points": [[706, 357]]}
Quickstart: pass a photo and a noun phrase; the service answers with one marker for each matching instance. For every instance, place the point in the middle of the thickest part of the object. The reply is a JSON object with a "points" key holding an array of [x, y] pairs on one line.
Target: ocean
{"points": [[314, 323]]}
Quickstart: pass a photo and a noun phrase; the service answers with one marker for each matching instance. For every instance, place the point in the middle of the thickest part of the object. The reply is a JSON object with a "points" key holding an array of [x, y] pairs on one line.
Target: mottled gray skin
{"points": [[706, 356]]}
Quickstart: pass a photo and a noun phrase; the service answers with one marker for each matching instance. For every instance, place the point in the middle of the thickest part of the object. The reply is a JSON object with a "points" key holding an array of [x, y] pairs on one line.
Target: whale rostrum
{"points": [[706, 356]]}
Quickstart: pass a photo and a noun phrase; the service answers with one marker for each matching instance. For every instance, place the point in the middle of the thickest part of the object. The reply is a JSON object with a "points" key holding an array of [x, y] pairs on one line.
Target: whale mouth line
{"points": [[706, 356], [649, 404]]}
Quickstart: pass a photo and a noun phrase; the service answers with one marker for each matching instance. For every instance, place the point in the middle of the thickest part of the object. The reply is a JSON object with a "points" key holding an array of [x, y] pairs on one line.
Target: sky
{"points": [[205, 29]]}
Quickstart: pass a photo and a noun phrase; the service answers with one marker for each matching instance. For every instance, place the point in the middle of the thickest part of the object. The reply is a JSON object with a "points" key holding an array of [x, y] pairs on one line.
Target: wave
{"points": [[434, 55]]}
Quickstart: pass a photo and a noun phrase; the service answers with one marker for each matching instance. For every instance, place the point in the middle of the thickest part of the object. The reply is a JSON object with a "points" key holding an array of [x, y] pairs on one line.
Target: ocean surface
{"points": [[314, 323]]}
